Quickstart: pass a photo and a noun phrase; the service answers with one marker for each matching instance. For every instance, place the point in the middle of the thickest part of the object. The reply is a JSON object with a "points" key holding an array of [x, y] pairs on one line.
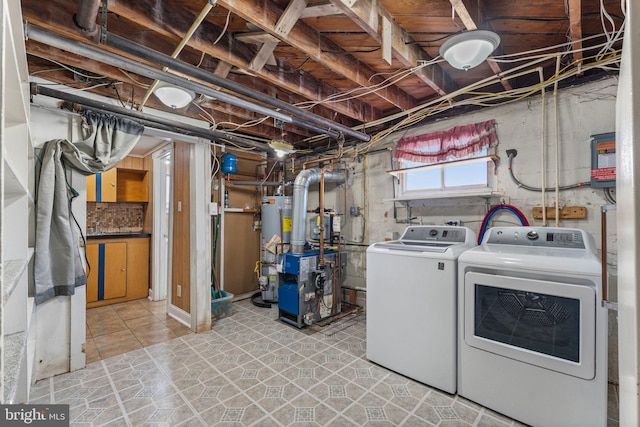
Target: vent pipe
{"points": [[301, 199], [85, 20]]}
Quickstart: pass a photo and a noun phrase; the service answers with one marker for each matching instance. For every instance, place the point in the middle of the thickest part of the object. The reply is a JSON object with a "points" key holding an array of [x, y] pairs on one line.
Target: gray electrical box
{"points": [[603, 160]]}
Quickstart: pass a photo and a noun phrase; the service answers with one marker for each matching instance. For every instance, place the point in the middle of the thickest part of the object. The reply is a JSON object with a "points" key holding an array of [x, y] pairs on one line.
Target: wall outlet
{"points": [[179, 291]]}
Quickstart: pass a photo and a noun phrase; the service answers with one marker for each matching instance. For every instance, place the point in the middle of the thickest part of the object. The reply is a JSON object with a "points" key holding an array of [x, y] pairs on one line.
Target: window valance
{"points": [[455, 143]]}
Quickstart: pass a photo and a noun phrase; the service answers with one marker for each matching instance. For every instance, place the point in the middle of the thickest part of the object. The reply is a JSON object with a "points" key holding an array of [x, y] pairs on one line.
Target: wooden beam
{"points": [[290, 16], [222, 69], [58, 19], [464, 9], [257, 37], [323, 50], [319, 10], [264, 54], [366, 14], [575, 30], [387, 43], [287, 20], [464, 15]]}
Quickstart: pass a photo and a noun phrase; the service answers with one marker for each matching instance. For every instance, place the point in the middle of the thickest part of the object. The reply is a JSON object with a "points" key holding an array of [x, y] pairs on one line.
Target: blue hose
{"points": [[493, 210]]}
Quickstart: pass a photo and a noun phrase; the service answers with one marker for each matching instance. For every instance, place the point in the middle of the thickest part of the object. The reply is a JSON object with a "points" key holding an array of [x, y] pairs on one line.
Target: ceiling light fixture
{"points": [[281, 147], [173, 96], [467, 50]]}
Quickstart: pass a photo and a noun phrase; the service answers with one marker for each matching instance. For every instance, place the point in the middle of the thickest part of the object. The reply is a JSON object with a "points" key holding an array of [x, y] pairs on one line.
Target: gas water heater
{"points": [[275, 240]]}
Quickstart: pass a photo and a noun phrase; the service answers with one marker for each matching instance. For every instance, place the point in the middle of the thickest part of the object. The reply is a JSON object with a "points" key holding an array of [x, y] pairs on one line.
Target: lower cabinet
{"points": [[117, 270]]}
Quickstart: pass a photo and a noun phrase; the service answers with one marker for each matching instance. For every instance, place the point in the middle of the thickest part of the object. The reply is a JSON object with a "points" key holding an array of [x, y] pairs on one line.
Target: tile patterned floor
{"points": [[252, 370], [119, 328]]}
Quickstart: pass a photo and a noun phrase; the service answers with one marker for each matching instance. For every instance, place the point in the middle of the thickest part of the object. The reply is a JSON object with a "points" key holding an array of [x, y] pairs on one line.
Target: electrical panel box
{"points": [[603, 160]]}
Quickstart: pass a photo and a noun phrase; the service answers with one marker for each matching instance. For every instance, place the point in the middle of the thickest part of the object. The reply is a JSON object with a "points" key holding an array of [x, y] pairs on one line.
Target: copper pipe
{"points": [[330, 158]]}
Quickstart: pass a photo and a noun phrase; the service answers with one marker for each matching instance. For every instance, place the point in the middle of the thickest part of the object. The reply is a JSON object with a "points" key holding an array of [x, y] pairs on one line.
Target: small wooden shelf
{"points": [[133, 185]]}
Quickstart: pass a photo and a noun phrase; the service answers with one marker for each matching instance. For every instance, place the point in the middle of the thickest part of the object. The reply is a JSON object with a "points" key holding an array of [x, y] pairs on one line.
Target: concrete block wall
{"points": [[582, 111]]}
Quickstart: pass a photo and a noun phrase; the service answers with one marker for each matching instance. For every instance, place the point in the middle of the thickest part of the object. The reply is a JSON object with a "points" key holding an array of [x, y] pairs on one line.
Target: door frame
{"points": [[160, 278]]}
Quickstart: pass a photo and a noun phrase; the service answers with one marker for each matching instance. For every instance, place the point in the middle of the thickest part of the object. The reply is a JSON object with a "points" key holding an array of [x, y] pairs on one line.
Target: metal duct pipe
{"points": [[85, 19], [332, 128], [92, 52], [301, 200], [145, 119]]}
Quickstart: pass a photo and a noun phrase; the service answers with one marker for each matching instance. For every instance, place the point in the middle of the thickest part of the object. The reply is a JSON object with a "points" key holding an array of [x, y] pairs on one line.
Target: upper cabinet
{"points": [[119, 185], [102, 187]]}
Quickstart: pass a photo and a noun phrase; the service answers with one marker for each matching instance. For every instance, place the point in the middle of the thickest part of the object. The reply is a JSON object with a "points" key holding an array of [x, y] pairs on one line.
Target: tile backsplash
{"points": [[109, 218]]}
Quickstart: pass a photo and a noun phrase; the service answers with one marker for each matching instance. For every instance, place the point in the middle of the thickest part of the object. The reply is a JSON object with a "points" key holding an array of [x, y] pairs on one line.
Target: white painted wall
{"points": [[61, 333]]}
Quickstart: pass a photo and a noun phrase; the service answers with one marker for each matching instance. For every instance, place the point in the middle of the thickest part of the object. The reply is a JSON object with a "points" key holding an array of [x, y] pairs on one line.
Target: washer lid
{"points": [[415, 246]]}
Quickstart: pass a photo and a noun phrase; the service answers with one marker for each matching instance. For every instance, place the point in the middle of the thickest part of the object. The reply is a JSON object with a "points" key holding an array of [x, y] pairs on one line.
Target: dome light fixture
{"points": [[173, 96], [281, 147], [467, 50]]}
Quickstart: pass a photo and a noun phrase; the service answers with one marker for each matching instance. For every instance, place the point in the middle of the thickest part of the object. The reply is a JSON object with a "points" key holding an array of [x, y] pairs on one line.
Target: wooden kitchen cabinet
{"points": [[119, 270], [107, 277], [102, 187], [118, 185]]}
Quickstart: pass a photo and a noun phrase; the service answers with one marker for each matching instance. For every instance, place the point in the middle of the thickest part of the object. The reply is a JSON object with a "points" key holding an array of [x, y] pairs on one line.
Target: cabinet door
{"points": [[115, 272], [107, 277], [102, 187], [92, 272]]}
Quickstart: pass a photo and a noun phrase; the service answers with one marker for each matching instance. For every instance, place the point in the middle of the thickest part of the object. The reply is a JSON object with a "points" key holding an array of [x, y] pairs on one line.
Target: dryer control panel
{"points": [[548, 237]]}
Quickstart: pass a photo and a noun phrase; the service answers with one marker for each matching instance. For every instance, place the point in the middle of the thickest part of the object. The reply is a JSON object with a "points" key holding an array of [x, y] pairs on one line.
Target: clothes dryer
{"points": [[411, 303], [532, 326]]}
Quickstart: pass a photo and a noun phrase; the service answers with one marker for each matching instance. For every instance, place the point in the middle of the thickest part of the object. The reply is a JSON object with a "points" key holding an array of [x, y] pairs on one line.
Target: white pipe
{"points": [[301, 184], [194, 26], [542, 150], [555, 107]]}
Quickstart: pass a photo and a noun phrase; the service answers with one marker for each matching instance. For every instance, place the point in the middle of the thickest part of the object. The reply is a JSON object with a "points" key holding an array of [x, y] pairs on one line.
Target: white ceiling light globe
{"points": [[173, 96], [468, 50]]}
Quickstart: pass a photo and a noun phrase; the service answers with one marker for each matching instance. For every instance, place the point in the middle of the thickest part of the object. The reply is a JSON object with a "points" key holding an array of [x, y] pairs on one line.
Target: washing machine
{"points": [[532, 327], [411, 303]]}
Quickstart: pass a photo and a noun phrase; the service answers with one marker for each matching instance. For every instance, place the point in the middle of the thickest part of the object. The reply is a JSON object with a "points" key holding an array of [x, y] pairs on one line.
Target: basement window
{"points": [[449, 163]]}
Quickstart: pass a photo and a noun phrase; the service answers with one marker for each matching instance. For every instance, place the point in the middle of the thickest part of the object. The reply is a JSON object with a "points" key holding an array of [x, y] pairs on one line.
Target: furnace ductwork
{"points": [[301, 199]]}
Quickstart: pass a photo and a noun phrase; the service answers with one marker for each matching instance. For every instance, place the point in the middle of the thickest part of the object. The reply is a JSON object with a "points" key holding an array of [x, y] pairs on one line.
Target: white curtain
{"points": [[106, 141]]}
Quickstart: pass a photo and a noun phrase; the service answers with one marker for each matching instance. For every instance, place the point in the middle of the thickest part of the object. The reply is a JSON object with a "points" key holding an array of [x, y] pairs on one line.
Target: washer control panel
{"points": [[435, 233], [548, 237]]}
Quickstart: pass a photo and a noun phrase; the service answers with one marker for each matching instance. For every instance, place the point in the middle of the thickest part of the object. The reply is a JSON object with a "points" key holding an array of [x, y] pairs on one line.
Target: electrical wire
{"points": [[511, 155], [224, 29], [609, 196]]}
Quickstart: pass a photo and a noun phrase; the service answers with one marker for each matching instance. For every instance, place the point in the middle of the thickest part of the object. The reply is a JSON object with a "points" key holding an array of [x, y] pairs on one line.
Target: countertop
{"points": [[117, 236]]}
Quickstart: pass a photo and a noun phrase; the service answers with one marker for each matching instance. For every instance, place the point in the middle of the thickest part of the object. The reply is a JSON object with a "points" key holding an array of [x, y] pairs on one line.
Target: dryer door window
{"points": [[544, 323]]}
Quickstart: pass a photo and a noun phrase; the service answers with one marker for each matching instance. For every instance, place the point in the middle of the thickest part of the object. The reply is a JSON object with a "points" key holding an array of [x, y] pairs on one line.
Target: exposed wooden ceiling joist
{"points": [[329, 55], [575, 29], [304, 37], [367, 14]]}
